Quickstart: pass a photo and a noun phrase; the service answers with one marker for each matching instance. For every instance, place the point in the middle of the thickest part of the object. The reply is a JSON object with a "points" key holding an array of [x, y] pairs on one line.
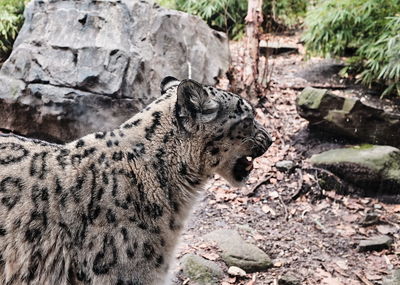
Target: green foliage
{"points": [[288, 12], [170, 4], [11, 20], [229, 15], [225, 15], [371, 27]]}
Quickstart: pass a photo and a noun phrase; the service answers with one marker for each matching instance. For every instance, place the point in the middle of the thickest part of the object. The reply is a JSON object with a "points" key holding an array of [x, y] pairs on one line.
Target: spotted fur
{"points": [[109, 207]]}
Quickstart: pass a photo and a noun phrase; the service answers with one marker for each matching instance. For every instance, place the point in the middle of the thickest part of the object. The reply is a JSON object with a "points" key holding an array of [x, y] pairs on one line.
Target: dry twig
{"points": [[363, 279], [284, 206], [299, 187], [252, 191]]}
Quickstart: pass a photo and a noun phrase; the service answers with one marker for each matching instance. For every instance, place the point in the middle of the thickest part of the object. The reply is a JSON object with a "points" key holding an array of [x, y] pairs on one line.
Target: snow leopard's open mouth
{"points": [[244, 164], [242, 168]]}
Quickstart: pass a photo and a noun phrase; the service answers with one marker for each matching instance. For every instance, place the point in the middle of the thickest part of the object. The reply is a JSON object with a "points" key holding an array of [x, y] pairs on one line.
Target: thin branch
{"points": [[363, 279], [299, 187], [252, 191], [284, 206]]}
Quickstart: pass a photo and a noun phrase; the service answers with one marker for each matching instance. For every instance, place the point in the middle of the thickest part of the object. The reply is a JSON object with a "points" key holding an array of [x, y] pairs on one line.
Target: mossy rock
{"points": [[347, 116], [373, 167], [311, 98], [200, 270], [237, 252]]}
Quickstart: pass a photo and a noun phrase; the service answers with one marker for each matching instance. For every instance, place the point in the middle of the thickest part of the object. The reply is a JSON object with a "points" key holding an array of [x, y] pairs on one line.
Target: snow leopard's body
{"points": [[108, 208]]}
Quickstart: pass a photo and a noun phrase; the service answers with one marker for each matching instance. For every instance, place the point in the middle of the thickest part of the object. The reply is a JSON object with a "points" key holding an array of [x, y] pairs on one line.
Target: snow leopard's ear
{"points": [[194, 102], [167, 83]]}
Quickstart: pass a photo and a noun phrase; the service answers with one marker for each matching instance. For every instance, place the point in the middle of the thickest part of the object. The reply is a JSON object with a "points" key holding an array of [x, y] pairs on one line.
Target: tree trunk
{"points": [[254, 20]]}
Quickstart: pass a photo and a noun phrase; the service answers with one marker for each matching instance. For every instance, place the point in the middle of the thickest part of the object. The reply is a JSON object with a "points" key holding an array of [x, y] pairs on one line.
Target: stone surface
{"points": [[82, 66], [375, 243], [394, 279], [285, 165], [362, 119], [237, 252], [386, 229], [323, 71], [268, 48], [372, 167], [200, 270], [289, 279], [370, 219], [236, 271]]}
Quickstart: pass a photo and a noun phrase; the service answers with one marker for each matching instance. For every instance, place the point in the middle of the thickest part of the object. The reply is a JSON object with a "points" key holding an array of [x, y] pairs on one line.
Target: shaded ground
{"points": [[315, 236]]}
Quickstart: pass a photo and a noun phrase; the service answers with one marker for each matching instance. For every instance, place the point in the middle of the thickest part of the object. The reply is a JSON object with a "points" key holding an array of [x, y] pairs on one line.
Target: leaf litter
{"points": [[314, 234]]}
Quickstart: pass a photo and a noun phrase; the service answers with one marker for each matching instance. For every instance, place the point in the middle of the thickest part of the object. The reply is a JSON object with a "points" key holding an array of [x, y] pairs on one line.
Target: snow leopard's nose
{"points": [[263, 133], [263, 140]]}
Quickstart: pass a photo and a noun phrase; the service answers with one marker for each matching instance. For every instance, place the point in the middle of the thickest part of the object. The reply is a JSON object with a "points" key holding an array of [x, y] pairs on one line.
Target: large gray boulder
{"points": [[365, 120], [82, 66], [371, 167]]}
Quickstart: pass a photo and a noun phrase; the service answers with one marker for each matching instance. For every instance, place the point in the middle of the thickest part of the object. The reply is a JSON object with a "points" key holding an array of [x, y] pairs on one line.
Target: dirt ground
{"points": [[314, 236]]}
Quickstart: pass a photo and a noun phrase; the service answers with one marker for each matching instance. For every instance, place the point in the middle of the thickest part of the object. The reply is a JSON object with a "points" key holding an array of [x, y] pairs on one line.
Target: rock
{"points": [[322, 72], [386, 229], [372, 167], [330, 182], [82, 66], [268, 48], [285, 165], [200, 270], [376, 243], [236, 271], [394, 279], [237, 252], [362, 119], [289, 279], [371, 218]]}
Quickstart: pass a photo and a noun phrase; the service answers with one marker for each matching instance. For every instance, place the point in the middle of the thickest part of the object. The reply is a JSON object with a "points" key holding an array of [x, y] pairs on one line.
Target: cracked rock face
{"points": [[364, 120], [82, 66]]}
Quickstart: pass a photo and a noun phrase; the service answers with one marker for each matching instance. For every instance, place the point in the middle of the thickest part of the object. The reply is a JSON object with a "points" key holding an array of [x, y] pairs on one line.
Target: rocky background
{"points": [[82, 66]]}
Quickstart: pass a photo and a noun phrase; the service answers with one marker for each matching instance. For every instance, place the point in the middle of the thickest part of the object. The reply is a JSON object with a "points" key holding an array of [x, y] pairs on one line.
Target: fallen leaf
{"points": [[258, 237], [331, 281], [322, 273], [224, 196], [351, 218], [268, 210], [210, 256], [342, 264], [373, 276], [221, 206], [353, 205], [273, 194], [346, 230], [242, 200], [273, 181]]}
